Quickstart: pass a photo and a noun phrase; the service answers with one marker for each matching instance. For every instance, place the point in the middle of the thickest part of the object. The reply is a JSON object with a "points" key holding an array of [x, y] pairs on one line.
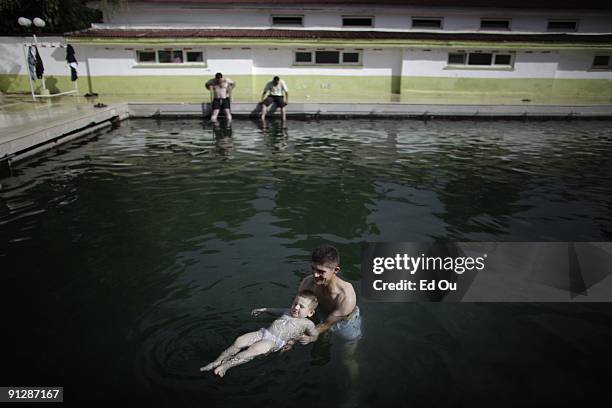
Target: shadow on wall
{"points": [[396, 84], [8, 81], [59, 54], [574, 63], [51, 84]]}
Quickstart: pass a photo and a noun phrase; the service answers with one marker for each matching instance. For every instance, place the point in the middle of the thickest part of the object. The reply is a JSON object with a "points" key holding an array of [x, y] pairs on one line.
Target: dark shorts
{"points": [[221, 103], [277, 100]]}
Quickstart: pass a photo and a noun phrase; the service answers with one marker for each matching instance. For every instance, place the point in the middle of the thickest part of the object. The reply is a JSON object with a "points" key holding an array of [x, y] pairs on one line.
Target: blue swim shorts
{"points": [[349, 329]]}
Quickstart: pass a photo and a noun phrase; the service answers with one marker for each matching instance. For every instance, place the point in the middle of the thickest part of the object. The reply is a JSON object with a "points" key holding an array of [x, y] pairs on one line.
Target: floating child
{"points": [[293, 324]]}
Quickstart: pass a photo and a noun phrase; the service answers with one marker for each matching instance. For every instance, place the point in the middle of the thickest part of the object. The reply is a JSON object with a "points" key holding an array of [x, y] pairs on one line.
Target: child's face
{"points": [[301, 307]]}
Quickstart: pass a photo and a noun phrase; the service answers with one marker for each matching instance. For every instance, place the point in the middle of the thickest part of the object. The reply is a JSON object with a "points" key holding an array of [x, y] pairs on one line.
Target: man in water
{"points": [[222, 89], [339, 310], [337, 298]]}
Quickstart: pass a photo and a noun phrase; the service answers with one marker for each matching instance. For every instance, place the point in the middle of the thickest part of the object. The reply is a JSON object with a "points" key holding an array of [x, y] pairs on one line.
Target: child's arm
{"points": [[269, 310], [310, 334]]}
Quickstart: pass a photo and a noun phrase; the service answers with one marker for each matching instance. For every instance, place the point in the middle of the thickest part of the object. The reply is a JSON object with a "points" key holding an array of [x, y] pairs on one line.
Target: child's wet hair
{"points": [[309, 294]]}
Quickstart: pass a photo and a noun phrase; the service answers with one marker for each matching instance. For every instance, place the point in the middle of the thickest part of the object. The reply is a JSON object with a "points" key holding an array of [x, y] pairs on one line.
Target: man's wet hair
{"points": [[276, 79], [325, 254], [218, 75], [309, 294]]}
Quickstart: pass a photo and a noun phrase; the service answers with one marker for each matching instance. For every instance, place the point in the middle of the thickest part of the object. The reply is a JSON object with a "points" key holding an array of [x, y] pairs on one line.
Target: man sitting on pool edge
{"points": [[276, 92]]}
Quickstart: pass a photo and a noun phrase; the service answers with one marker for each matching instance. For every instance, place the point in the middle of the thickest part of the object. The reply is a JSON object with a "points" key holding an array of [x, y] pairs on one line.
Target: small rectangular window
{"points": [[170, 57], [502, 59], [177, 57], [164, 56], [562, 25], [146, 56], [350, 57], [480, 59], [303, 57], [288, 20], [357, 21], [601, 61], [195, 56], [456, 59], [327, 57], [494, 24], [324, 57], [426, 23]]}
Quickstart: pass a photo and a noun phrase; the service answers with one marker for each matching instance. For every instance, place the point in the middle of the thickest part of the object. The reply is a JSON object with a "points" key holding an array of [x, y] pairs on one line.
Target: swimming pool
{"points": [[132, 257]]}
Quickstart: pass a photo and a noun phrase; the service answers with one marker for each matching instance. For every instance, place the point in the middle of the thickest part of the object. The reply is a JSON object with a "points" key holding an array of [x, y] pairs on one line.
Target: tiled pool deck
{"points": [[27, 126]]}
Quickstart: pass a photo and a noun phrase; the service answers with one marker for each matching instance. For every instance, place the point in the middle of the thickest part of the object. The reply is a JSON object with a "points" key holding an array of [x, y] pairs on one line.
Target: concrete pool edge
{"points": [[27, 140], [32, 138], [380, 110]]}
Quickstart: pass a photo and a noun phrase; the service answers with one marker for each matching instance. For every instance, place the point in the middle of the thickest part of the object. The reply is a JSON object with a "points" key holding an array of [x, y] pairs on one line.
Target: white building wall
{"points": [[191, 15], [12, 60], [462, 23], [595, 25], [151, 15], [434, 64], [535, 65], [571, 66], [233, 61], [396, 21], [322, 21], [529, 24], [101, 61], [268, 61], [119, 61]]}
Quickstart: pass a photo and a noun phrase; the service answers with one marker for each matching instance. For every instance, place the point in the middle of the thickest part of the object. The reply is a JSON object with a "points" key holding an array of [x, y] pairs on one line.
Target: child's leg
{"points": [[257, 349], [241, 342]]}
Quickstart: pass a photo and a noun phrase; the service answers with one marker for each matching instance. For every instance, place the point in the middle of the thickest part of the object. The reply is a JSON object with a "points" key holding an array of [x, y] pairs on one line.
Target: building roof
{"points": [[533, 4], [314, 35]]}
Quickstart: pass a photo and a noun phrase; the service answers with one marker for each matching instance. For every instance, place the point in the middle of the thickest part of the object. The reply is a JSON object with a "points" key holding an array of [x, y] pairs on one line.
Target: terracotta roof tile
{"points": [[337, 34]]}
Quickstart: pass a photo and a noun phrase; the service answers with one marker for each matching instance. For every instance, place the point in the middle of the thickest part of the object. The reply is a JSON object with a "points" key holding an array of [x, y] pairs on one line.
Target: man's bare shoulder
{"points": [[346, 287], [307, 283], [347, 298]]}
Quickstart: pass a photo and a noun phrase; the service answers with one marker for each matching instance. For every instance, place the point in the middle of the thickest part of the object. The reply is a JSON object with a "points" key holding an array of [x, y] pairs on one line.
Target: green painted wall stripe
{"points": [[514, 86], [340, 43], [334, 88], [54, 83]]}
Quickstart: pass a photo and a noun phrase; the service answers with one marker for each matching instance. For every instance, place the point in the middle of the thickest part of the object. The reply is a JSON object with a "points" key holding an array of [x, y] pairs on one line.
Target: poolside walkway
{"points": [[27, 127]]}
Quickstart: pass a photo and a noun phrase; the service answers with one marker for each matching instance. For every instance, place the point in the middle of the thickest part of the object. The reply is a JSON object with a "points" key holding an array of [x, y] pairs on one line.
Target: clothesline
{"points": [[32, 56], [43, 45]]}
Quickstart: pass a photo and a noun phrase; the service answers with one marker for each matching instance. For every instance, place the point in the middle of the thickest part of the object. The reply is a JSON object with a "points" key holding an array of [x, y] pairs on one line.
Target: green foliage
{"points": [[60, 15]]}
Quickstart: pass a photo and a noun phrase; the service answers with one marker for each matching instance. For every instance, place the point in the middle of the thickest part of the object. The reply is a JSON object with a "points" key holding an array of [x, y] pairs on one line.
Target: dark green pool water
{"points": [[131, 258]]}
